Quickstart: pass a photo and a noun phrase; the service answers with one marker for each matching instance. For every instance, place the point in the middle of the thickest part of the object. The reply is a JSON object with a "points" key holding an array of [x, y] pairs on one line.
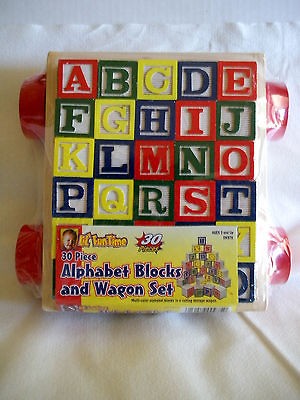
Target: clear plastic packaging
{"points": [[155, 178]]}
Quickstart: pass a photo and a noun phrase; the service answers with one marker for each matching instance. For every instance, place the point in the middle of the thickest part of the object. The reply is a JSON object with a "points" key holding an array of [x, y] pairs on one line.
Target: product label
{"points": [[146, 269], [154, 190]]}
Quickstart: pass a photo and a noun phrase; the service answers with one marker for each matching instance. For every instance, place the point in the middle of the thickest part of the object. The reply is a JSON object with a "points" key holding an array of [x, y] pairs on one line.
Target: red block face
{"points": [[154, 161], [234, 160], [77, 78], [195, 201], [195, 120], [237, 80]]}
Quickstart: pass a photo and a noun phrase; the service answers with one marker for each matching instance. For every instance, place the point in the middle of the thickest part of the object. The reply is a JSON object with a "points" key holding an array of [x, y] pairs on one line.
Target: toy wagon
{"points": [[154, 192]]}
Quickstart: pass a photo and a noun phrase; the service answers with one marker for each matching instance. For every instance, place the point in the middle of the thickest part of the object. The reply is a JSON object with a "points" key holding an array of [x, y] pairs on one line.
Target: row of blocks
{"points": [[179, 201], [152, 160], [157, 79], [207, 289], [162, 120]]}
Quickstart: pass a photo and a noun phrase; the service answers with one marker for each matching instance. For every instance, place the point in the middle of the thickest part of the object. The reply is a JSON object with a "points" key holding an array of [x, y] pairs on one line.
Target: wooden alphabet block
{"points": [[154, 160], [154, 201], [195, 120], [74, 118], [77, 78], [114, 119], [195, 201], [117, 79], [113, 199], [236, 121], [72, 198], [236, 200], [73, 158], [197, 80], [158, 79], [237, 80], [114, 159], [234, 160]]}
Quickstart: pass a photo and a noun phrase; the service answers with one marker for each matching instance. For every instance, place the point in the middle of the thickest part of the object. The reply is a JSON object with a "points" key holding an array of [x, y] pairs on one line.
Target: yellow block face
{"points": [[113, 199], [74, 157], [114, 119], [158, 79]]}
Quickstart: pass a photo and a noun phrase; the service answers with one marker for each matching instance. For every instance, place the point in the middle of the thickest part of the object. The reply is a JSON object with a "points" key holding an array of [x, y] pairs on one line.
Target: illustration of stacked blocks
{"points": [[203, 273]]}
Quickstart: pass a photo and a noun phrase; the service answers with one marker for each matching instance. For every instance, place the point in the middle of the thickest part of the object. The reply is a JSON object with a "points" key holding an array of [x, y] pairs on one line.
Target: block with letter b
{"points": [[117, 79]]}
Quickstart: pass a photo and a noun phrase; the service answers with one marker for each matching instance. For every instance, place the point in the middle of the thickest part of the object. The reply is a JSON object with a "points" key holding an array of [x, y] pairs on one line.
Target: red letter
{"points": [[156, 160], [200, 203], [77, 78], [195, 121], [243, 160], [236, 85]]}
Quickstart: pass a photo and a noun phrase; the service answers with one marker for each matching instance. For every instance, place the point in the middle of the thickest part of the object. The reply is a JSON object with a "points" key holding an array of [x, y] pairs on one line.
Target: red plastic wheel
{"points": [[277, 109], [280, 256], [28, 257], [32, 107]]}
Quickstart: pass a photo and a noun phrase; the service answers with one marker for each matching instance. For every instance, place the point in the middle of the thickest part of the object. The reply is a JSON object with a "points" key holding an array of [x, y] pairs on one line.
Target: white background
{"points": [[226, 356]]}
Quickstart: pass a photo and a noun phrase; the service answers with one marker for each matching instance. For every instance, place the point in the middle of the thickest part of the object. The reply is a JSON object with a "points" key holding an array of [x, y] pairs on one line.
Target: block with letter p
{"points": [[72, 197]]}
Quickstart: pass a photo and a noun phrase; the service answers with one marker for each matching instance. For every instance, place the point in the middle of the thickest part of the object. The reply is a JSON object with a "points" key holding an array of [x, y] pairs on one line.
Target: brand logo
{"points": [[150, 242]]}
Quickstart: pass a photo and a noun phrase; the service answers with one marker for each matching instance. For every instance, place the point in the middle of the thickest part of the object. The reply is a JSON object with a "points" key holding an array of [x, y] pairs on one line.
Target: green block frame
{"points": [[119, 64], [234, 104], [75, 101], [137, 216], [206, 176]]}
